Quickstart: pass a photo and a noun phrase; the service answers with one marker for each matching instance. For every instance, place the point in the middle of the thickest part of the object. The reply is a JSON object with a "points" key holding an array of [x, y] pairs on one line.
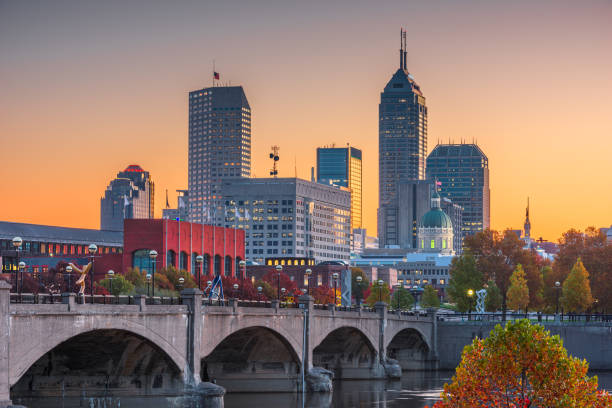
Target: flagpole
{"points": [[235, 222], [224, 215]]}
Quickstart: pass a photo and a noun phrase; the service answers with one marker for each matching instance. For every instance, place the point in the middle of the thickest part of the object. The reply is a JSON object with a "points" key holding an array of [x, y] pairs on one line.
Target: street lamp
{"points": [[279, 269], [259, 290], [380, 284], [22, 266], [308, 272], [93, 248], [111, 276], [17, 241], [153, 256], [470, 293], [359, 293], [557, 288], [69, 272], [199, 260], [242, 264], [148, 283], [335, 278], [181, 282], [235, 286]]}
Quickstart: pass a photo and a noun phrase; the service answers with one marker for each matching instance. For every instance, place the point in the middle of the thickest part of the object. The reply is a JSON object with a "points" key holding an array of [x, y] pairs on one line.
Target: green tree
{"points": [[268, 291], [430, 297], [378, 292], [121, 286], [493, 301], [577, 290], [518, 292], [464, 275], [173, 275], [403, 296]]}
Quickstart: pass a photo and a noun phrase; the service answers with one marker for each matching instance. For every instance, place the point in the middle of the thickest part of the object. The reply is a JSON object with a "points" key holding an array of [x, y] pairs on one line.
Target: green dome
{"points": [[436, 218]]}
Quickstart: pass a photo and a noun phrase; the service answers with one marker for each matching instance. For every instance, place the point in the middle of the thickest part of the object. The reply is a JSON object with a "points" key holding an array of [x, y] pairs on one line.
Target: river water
{"points": [[415, 390]]}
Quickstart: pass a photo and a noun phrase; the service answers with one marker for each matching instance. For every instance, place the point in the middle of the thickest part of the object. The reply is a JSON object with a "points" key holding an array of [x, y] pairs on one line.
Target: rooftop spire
{"points": [[403, 52]]}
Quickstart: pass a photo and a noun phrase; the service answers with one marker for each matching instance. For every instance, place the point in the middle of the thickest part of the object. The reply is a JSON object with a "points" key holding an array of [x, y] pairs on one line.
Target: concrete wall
{"points": [[592, 341]]}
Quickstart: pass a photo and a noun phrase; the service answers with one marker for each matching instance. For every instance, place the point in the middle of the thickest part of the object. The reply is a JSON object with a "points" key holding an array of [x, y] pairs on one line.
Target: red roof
{"points": [[135, 168]]}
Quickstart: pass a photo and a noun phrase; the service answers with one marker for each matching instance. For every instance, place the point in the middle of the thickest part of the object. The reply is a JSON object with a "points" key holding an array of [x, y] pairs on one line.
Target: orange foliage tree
{"points": [[521, 366]]}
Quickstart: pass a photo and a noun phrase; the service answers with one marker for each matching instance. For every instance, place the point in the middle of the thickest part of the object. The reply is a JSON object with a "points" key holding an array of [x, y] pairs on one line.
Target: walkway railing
{"points": [[47, 298], [535, 317]]}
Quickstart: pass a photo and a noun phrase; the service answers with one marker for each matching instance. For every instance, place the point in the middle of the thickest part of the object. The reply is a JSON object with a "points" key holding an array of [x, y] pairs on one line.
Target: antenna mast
{"points": [[274, 157]]}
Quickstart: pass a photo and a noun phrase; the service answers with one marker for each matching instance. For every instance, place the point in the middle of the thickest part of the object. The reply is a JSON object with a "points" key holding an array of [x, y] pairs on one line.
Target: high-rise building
{"points": [[289, 217], [219, 146], [402, 137], [341, 167], [463, 173], [180, 212], [130, 195]]}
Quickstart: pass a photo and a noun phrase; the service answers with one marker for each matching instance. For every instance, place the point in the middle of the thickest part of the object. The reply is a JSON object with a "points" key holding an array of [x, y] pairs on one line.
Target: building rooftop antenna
{"points": [[274, 156]]}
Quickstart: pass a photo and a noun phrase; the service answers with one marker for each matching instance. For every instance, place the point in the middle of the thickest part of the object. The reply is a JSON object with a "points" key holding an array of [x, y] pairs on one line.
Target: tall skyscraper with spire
{"points": [[402, 143], [219, 147]]}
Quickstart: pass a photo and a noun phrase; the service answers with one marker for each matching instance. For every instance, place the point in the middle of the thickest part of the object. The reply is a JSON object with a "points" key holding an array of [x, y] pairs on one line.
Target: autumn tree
{"points": [[464, 275], [430, 297], [378, 293], [323, 295], [403, 298], [521, 366], [518, 292], [577, 290]]}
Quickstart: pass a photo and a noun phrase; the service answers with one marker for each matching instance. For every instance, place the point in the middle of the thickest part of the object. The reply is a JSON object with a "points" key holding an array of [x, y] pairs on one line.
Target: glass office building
{"points": [[341, 167], [463, 171], [219, 147]]}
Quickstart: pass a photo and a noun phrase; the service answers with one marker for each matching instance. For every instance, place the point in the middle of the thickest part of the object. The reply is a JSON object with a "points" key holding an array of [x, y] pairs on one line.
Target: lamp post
{"points": [[335, 278], [93, 248], [380, 284], [199, 260], [17, 241], [308, 272], [69, 273], [21, 266], [557, 289], [181, 282], [111, 276], [242, 264], [153, 257], [259, 289], [208, 286], [236, 286], [148, 283], [470, 293], [279, 269], [283, 291], [359, 293]]}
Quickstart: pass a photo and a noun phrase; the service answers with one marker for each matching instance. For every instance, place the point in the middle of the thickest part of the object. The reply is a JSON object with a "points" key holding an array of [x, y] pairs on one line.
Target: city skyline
{"points": [[100, 104]]}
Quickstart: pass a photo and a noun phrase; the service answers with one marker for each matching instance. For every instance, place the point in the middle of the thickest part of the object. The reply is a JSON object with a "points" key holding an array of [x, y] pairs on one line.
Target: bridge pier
{"points": [[193, 299], [5, 385]]}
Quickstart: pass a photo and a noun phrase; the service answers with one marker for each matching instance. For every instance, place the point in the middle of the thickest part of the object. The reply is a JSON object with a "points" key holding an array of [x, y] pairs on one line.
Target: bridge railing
{"points": [[535, 317], [51, 298]]}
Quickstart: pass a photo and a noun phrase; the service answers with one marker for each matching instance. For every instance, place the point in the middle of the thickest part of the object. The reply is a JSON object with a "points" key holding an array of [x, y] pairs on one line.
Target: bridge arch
{"points": [[28, 348], [245, 357], [101, 360], [349, 352], [410, 347]]}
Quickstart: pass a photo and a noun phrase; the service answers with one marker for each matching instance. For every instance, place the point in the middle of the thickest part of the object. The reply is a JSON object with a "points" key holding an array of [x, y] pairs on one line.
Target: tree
{"points": [[521, 366], [464, 275], [134, 276], [493, 300], [518, 292], [430, 297], [577, 290], [285, 282], [406, 301], [323, 295], [378, 293], [120, 285], [358, 288]]}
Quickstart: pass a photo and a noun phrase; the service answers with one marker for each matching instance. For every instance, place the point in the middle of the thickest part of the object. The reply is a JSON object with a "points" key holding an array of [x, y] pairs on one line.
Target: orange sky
{"points": [[90, 87]]}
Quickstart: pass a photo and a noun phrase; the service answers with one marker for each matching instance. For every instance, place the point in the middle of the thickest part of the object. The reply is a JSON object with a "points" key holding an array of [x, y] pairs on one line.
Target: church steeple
{"points": [[527, 225]]}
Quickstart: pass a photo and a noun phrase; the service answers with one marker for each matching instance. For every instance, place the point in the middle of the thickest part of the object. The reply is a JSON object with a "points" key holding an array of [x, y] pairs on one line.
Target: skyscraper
{"points": [[219, 146], [130, 195], [402, 138], [463, 171], [341, 167]]}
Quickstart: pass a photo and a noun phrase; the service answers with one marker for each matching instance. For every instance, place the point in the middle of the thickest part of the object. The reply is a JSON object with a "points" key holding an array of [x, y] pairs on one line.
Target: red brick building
{"points": [[178, 243]]}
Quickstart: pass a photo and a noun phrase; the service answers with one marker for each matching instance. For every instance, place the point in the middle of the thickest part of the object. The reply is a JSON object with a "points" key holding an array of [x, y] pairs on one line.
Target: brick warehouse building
{"points": [[222, 248]]}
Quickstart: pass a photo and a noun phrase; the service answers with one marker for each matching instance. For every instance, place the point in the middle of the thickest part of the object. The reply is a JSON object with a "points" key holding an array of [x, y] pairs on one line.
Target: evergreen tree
{"points": [[493, 301], [464, 275], [577, 290], [430, 297], [518, 292], [403, 296]]}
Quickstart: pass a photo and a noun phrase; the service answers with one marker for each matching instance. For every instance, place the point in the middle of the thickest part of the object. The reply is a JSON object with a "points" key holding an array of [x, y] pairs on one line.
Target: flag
{"points": [[126, 202], [247, 216], [181, 202], [167, 203], [216, 75], [216, 289]]}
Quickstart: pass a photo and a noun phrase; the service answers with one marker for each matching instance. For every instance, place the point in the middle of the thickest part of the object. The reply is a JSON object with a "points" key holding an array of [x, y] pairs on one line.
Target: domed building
{"points": [[435, 232]]}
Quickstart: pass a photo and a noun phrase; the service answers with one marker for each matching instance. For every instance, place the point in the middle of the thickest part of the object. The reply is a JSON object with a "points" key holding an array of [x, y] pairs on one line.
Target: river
{"points": [[415, 390]]}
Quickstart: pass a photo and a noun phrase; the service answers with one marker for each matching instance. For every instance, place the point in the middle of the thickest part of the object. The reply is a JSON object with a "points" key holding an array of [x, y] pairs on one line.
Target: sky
{"points": [[89, 87]]}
